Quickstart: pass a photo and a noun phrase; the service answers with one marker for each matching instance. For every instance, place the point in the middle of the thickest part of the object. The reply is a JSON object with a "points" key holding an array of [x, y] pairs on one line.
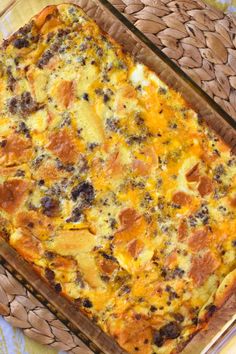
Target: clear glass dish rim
{"points": [[137, 33]]}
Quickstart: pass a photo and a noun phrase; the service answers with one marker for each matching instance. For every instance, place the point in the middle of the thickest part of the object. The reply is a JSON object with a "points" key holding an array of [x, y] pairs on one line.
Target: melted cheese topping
{"points": [[109, 185]]}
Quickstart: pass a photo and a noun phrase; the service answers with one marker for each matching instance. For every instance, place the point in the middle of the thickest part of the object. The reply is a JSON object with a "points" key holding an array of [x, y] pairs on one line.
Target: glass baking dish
{"points": [[13, 16]]}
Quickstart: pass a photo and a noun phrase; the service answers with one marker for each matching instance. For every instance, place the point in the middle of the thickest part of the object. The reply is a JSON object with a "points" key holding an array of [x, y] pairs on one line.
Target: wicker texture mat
{"points": [[21, 309], [202, 41]]}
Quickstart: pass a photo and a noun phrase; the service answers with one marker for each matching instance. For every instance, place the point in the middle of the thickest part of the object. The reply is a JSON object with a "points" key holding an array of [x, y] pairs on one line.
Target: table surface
{"points": [[12, 341], [224, 5]]}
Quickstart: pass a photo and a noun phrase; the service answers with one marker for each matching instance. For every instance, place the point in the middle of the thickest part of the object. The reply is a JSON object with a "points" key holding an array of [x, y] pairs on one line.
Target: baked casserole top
{"points": [[110, 186]]}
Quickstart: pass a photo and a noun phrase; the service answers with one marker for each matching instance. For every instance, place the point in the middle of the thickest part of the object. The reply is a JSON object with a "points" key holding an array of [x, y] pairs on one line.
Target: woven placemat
{"points": [[21, 309], [202, 41], [198, 38]]}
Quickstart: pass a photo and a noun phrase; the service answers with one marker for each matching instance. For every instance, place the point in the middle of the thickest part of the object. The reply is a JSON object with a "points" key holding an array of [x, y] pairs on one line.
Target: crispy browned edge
{"points": [[94, 334], [226, 289], [8, 40], [62, 307]]}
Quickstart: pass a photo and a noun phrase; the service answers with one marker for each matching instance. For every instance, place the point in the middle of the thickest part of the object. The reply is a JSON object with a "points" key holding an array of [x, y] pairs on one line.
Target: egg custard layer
{"points": [[109, 185]]}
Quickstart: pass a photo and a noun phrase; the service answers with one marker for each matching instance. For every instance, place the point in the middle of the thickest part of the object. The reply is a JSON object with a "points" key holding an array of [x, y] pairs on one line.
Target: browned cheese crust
{"points": [[109, 185]]}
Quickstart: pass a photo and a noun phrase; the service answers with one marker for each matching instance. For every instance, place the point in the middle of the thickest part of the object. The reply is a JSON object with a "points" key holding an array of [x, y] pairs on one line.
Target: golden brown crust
{"points": [[62, 145], [182, 230], [193, 174], [128, 217], [27, 245], [202, 267], [12, 194], [137, 332], [141, 167], [41, 18], [15, 150], [199, 240], [65, 93], [181, 198], [205, 186], [226, 289], [34, 222], [49, 172]]}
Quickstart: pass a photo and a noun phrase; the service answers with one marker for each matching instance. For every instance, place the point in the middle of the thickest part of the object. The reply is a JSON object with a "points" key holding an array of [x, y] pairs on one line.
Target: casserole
{"points": [[160, 336]]}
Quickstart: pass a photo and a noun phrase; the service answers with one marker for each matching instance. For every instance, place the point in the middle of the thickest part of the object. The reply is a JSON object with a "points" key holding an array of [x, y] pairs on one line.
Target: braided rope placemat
{"points": [[197, 37], [202, 41], [21, 309]]}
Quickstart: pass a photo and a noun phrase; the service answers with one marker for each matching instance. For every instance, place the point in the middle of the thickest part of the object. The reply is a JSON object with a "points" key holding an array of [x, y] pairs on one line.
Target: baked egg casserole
{"points": [[110, 185]]}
